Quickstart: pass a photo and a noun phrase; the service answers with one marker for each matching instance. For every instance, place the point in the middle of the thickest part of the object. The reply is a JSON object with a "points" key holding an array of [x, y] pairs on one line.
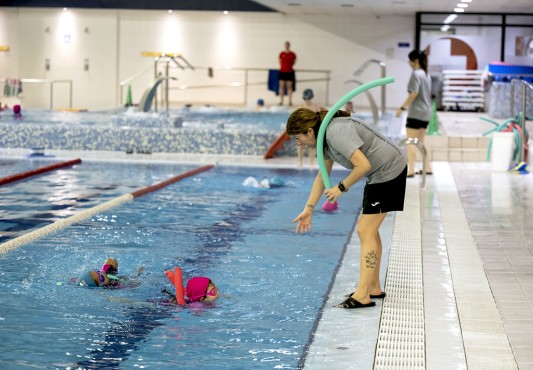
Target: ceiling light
{"points": [[459, 10], [445, 28], [460, 5], [170, 11], [450, 18], [466, 1], [294, 4], [347, 5]]}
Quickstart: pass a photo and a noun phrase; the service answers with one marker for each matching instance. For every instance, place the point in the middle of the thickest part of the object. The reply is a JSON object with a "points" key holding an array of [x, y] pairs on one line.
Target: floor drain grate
{"points": [[401, 333]]}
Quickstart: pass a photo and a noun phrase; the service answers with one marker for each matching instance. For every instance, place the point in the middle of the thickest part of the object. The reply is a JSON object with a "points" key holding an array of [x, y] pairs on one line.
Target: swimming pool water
{"points": [[273, 282], [38, 201], [196, 117]]}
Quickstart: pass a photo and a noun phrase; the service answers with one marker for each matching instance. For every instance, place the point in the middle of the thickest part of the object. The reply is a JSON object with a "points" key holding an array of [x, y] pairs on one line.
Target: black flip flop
{"points": [[374, 296], [353, 303]]}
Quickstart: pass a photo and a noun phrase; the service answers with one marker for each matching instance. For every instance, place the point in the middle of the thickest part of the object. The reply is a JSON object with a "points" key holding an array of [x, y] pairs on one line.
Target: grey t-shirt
{"points": [[344, 135], [420, 108]]}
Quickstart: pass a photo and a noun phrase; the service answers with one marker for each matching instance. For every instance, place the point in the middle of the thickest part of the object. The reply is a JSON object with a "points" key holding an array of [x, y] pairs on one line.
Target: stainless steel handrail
{"points": [[373, 106], [244, 85], [422, 148], [383, 68], [52, 83]]}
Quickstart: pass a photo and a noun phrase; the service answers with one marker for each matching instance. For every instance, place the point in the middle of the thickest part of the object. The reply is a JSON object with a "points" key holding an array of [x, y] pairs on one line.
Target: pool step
{"points": [[457, 148]]}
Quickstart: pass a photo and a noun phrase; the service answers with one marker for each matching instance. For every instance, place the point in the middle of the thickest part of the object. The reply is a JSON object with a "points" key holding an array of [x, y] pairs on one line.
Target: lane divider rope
{"points": [[63, 223], [37, 171]]}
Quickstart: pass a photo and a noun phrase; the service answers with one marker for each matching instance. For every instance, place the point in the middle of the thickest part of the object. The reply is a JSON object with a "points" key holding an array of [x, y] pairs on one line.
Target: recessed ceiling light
{"points": [[450, 18], [170, 11], [460, 5], [445, 28], [466, 1], [226, 12], [459, 10]]}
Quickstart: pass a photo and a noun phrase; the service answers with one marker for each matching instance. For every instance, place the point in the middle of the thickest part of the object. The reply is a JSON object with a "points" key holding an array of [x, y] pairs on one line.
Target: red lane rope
{"points": [[172, 180], [78, 217], [38, 171]]}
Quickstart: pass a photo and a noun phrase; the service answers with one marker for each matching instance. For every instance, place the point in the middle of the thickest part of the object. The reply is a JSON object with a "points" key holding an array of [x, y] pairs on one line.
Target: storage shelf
{"points": [[462, 90]]}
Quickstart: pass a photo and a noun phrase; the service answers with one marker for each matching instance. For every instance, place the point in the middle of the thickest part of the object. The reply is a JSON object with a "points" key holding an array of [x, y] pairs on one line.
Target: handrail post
{"points": [[245, 86], [166, 84], [511, 101], [51, 95], [524, 100], [383, 67], [327, 87], [70, 95], [155, 78], [423, 152], [383, 89]]}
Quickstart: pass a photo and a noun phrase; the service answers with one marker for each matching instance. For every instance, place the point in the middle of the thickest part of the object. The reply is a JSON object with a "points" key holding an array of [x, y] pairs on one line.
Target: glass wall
{"points": [[471, 41], [461, 47]]}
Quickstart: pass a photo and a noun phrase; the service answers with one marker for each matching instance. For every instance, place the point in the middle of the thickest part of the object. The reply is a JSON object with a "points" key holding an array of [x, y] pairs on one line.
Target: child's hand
{"points": [[171, 297]]}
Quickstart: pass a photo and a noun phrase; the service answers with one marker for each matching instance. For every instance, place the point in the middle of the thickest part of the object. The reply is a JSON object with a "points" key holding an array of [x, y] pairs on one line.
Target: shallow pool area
{"points": [[273, 283]]}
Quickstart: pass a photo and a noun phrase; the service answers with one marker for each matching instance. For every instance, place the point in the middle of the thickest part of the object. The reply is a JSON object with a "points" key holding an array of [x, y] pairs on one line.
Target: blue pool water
{"points": [[196, 117], [272, 282]]}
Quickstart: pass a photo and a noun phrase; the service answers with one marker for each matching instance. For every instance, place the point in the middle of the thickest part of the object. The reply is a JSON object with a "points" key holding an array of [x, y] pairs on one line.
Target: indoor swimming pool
{"points": [[272, 282]]}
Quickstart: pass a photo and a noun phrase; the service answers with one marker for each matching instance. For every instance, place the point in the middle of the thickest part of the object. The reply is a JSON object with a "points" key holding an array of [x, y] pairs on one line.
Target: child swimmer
{"points": [[106, 276], [199, 289]]}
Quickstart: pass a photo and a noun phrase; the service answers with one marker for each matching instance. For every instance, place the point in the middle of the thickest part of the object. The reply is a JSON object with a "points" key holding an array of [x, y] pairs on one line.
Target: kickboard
{"points": [[277, 144]]}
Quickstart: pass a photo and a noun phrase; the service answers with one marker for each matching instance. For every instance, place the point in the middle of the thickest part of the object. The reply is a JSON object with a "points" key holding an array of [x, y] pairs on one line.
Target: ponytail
{"points": [[421, 57]]}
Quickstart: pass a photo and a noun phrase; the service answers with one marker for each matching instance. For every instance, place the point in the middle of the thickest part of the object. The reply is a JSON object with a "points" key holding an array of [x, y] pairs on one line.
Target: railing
{"points": [[371, 101], [422, 148], [383, 68], [52, 83], [244, 83]]}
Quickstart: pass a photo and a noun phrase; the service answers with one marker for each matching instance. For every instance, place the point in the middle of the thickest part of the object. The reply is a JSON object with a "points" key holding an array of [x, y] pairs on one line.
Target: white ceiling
{"points": [[392, 7]]}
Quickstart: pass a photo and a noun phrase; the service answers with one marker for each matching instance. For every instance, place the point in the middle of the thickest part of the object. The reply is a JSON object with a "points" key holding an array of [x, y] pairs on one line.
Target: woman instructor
{"points": [[358, 147]]}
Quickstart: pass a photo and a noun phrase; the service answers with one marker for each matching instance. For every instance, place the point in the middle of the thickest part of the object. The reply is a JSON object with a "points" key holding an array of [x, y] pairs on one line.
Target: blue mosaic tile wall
{"points": [[18, 134]]}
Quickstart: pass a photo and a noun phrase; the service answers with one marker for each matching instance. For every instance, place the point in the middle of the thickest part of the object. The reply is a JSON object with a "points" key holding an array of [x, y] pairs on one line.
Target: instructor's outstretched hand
{"points": [[304, 221]]}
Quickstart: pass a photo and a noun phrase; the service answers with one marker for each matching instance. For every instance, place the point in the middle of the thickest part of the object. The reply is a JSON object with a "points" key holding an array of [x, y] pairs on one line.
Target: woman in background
{"points": [[418, 107]]}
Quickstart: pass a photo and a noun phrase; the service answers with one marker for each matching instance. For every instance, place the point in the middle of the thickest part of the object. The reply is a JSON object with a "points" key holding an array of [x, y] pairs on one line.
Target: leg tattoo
{"points": [[371, 259]]}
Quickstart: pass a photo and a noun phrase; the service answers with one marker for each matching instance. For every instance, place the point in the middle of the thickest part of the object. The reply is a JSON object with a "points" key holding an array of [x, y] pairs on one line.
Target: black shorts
{"points": [[286, 76], [386, 196], [416, 123]]}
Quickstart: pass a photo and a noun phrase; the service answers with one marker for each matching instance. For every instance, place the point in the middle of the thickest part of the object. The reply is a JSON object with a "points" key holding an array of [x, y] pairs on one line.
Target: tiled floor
{"points": [[475, 241]]}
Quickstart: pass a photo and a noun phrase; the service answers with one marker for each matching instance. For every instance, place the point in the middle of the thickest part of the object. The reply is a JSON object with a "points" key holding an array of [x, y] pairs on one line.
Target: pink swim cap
{"points": [[197, 288]]}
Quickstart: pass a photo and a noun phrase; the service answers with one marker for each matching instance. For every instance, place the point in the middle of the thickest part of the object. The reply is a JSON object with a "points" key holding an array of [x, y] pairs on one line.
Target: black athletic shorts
{"points": [[416, 123], [386, 196], [286, 76]]}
